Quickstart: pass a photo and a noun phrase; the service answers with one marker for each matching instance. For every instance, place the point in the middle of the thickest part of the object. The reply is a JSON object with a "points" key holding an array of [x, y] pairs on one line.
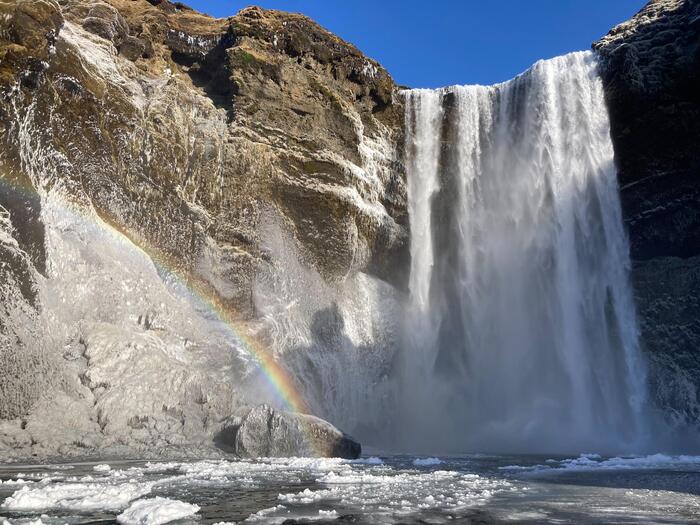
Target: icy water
{"points": [[395, 489]]}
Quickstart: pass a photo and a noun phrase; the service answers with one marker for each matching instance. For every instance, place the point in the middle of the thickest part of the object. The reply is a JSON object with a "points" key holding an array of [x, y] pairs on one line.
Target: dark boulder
{"points": [[265, 432]]}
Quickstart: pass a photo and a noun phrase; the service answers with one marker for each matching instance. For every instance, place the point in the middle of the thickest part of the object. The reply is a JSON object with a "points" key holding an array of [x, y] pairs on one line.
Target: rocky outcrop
{"points": [[152, 150], [265, 432], [652, 80]]}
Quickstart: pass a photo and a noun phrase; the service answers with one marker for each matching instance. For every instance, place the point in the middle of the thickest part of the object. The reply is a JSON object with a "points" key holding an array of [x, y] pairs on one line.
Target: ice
{"points": [[76, 496], [425, 462], [589, 462], [102, 468], [336, 487], [156, 511], [403, 491], [18, 481], [263, 514], [37, 521]]}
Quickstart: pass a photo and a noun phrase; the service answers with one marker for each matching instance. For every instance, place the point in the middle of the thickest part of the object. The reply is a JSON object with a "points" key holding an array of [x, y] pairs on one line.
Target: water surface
{"points": [[384, 489]]}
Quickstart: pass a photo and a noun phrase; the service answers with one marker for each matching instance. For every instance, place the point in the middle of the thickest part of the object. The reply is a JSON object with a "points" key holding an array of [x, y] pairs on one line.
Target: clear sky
{"points": [[441, 42]]}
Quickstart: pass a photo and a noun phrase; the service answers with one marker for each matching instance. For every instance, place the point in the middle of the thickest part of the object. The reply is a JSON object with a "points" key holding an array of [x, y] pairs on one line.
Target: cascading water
{"points": [[521, 332]]}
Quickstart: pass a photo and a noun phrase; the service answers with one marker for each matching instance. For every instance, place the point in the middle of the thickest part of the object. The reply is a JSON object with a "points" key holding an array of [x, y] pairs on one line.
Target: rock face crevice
{"points": [[652, 82]]}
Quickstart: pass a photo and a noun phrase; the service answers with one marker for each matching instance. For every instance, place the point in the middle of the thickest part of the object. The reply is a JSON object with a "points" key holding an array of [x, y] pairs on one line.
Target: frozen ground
{"points": [[485, 489]]}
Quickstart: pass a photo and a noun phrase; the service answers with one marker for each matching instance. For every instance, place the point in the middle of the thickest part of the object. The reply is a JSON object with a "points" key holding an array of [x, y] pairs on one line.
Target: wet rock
{"points": [[266, 432], [651, 75], [668, 299]]}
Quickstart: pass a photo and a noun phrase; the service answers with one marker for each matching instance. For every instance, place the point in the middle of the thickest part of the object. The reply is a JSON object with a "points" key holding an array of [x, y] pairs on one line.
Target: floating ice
{"points": [[426, 462], [18, 481], [263, 514], [156, 511], [341, 486], [76, 496], [389, 491], [102, 468], [596, 462]]}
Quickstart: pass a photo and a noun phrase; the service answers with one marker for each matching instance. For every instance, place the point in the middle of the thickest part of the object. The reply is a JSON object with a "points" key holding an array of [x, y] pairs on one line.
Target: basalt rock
{"points": [[651, 73]]}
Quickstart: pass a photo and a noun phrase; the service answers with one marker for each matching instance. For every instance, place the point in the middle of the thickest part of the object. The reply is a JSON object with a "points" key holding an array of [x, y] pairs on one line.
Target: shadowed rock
{"points": [[651, 75]]}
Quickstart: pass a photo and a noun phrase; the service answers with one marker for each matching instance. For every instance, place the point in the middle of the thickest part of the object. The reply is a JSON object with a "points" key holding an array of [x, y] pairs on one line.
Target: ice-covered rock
{"points": [[266, 432]]}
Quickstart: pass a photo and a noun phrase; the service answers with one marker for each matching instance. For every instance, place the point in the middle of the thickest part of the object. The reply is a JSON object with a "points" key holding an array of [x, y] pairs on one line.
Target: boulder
{"points": [[266, 432]]}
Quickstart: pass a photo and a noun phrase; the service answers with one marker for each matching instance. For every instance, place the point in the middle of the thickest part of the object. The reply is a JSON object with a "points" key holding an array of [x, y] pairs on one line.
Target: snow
{"points": [[426, 462], [102, 468], [156, 511]]}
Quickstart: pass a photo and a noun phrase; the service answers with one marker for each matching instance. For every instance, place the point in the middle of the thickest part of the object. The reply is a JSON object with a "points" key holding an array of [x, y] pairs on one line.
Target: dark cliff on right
{"points": [[651, 74]]}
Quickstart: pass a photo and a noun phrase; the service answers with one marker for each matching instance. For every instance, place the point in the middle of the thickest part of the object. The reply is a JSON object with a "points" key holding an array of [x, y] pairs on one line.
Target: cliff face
{"points": [[652, 80], [194, 125], [220, 148]]}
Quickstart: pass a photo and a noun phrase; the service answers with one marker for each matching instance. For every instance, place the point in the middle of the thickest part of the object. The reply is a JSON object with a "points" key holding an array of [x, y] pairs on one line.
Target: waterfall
{"points": [[521, 332]]}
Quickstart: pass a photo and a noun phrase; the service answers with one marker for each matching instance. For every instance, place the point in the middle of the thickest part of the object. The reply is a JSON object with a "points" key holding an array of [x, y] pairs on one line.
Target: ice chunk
{"points": [[426, 462], [76, 496], [596, 462], [156, 511]]}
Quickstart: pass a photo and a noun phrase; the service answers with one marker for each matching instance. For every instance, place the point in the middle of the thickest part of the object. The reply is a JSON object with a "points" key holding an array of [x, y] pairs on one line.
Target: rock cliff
{"points": [[158, 167], [652, 80]]}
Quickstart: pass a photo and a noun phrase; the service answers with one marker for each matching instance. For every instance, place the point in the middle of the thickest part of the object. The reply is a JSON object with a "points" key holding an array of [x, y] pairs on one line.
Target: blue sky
{"points": [[441, 42]]}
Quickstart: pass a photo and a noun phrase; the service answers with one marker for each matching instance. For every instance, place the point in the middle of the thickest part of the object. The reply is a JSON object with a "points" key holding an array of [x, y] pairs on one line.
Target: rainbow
{"points": [[278, 379]]}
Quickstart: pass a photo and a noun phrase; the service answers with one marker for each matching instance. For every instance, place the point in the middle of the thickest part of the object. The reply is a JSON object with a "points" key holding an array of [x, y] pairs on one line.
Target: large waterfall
{"points": [[521, 331]]}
